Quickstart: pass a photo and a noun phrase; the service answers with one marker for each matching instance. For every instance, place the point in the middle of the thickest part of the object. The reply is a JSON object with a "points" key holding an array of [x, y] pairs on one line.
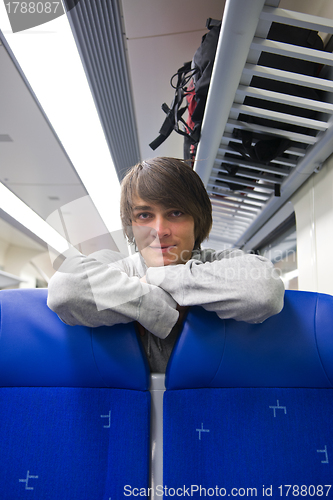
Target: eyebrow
{"points": [[150, 208], [142, 207]]}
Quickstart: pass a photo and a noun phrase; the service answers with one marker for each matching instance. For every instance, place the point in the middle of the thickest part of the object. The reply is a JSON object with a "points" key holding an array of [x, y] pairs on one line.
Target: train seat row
{"points": [[246, 411]]}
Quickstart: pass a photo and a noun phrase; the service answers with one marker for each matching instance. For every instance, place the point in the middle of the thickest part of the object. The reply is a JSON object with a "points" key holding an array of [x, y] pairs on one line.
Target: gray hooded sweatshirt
{"points": [[104, 288]]}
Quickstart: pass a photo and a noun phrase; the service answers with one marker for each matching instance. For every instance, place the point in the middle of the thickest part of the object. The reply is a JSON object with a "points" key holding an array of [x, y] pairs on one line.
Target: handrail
{"points": [[237, 32]]}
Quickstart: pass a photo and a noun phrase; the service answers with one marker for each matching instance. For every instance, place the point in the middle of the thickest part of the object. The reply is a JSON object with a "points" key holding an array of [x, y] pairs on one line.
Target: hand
{"points": [[143, 279]]}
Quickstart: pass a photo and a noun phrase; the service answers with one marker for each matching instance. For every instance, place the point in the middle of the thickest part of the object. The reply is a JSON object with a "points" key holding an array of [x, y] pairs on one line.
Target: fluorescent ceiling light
{"points": [[17, 209], [50, 61]]}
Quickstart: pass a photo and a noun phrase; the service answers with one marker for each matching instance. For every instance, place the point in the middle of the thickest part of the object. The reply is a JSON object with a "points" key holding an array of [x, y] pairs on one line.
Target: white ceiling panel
{"points": [[33, 164], [47, 197], [152, 18]]}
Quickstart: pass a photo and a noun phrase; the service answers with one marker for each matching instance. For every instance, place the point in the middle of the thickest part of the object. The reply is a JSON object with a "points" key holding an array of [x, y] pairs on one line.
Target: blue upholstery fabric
{"points": [[250, 406], [74, 405], [247, 438], [292, 349], [37, 349], [72, 443]]}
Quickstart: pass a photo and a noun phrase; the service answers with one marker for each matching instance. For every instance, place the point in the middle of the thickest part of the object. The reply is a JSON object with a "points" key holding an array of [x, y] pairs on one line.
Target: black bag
{"points": [[192, 86]]}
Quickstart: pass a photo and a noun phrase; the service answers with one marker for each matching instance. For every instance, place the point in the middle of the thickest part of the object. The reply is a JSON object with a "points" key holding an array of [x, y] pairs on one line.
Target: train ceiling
{"points": [[130, 49], [267, 125]]}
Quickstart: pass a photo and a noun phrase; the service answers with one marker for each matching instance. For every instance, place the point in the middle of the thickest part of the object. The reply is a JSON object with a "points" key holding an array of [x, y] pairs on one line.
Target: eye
{"points": [[176, 213], [143, 216]]}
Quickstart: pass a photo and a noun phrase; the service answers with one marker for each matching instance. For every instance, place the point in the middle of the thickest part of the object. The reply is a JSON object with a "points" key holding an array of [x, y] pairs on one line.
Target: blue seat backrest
{"points": [[248, 408], [37, 349], [291, 349], [74, 405]]}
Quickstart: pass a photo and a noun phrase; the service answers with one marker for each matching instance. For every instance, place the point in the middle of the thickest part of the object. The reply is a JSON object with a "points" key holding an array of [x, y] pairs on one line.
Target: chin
{"points": [[159, 262], [153, 262]]}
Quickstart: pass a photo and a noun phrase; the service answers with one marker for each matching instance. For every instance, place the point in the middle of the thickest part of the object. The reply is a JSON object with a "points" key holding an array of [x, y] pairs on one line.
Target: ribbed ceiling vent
{"points": [[98, 34]]}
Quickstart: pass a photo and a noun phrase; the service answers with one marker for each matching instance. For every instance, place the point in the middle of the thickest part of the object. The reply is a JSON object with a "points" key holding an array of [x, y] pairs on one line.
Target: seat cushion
{"points": [[72, 443]]}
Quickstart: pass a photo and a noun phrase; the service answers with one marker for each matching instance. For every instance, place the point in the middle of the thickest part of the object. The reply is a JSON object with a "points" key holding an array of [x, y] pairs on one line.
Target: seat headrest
{"points": [[291, 349], [37, 349]]}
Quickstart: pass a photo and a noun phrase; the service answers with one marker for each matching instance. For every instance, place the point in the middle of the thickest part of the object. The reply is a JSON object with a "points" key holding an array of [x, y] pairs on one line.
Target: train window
{"points": [[281, 248]]}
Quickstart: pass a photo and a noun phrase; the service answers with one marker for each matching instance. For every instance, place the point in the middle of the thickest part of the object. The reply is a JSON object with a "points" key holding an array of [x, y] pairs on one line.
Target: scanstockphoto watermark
{"points": [[91, 252], [283, 490], [25, 15], [232, 265], [189, 491], [236, 269]]}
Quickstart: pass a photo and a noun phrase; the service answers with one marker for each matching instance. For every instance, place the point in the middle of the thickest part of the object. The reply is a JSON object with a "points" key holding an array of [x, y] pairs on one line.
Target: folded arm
{"points": [[87, 291], [231, 283]]}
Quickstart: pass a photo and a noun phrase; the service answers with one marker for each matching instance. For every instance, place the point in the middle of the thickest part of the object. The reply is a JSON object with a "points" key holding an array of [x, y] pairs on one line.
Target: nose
{"points": [[160, 227]]}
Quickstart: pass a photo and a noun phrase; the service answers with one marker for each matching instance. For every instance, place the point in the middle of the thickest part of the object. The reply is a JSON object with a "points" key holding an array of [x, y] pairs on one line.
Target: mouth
{"points": [[162, 248]]}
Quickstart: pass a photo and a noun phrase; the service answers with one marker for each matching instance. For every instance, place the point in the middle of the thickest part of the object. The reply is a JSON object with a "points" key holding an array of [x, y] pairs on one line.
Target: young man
{"points": [[166, 211]]}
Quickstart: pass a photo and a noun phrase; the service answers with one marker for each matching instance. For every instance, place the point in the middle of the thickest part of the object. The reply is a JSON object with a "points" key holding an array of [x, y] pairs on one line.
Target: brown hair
{"points": [[171, 183]]}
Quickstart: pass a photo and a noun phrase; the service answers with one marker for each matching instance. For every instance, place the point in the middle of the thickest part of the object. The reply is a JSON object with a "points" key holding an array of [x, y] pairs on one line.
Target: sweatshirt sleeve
{"points": [[87, 291], [233, 284]]}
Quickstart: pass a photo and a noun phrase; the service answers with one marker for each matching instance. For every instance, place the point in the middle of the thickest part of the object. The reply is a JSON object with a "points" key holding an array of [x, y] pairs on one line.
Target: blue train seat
{"points": [[74, 405], [248, 408]]}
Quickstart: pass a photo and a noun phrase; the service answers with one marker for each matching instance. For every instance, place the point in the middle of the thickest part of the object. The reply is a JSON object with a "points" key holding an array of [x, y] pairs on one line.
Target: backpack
{"points": [[191, 90]]}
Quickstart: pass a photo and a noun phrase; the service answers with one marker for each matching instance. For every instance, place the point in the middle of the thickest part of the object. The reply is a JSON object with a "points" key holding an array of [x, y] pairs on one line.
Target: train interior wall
{"points": [[313, 205]]}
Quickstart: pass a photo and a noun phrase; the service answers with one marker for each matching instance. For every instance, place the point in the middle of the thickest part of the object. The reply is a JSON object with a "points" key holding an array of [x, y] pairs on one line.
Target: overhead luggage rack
{"points": [[268, 118]]}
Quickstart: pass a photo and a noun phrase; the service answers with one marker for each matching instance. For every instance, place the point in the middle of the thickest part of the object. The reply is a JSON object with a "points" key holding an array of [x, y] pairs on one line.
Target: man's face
{"points": [[164, 236]]}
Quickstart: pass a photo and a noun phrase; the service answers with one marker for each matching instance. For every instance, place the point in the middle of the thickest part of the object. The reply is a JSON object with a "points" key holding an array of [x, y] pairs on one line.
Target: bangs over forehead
{"points": [[171, 183], [163, 185]]}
